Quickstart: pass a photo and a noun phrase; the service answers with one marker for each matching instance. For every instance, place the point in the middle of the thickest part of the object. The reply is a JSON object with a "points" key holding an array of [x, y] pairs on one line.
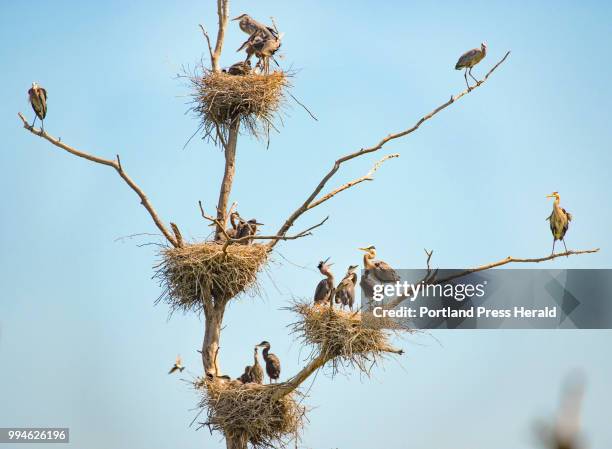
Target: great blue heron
{"points": [[38, 99], [247, 228], [469, 59], [381, 270], [273, 366], [263, 46], [178, 365], [559, 221], [345, 292], [253, 373], [240, 68], [325, 286], [251, 26]]}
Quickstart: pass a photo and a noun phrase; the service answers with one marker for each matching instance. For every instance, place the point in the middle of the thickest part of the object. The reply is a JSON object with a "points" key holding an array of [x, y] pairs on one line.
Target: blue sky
{"points": [[81, 343]]}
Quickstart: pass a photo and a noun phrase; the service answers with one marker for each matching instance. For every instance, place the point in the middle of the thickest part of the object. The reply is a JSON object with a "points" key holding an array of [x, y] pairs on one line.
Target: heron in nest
{"points": [[469, 59], [325, 287], [253, 373], [37, 96], [559, 221], [345, 292], [273, 366], [240, 68], [264, 47], [178, 365], [246, 229], [251, 26]]}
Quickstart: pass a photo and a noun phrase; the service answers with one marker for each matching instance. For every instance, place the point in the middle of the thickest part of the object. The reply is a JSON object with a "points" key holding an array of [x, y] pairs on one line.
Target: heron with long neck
{"points": [[345, 292], [38, 99], [469, 59], [246, 229], [559, 221], [253, 373], [273, 366], [325, 286], [251, 26], [379, 268]]}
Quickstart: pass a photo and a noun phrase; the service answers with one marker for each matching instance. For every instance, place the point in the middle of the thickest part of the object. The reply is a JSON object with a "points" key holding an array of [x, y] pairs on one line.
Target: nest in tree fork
{"points": [[220, 100], [247, 412], [345, 338], [198, 271]]}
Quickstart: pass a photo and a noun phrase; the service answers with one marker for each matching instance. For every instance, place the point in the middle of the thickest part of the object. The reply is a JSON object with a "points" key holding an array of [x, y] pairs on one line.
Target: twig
{"points": [[301, 104], [116, 164], [348, 185], [210, 50], [214, 220], [305, 206]]}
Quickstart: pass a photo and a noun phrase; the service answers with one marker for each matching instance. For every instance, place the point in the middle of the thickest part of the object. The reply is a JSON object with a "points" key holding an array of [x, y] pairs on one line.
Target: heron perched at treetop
{"points": [[345, 292], [38, 99], [178, 365], [469, 59], [253, 373], [273, 366], [325, 286], [380, 269], [559, 221]]}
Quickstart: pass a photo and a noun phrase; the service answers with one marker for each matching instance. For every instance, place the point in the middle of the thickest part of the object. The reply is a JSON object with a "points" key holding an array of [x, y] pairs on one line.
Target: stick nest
{"points": [[348, 339], [246, 411], [202, 271], [220, 99]]}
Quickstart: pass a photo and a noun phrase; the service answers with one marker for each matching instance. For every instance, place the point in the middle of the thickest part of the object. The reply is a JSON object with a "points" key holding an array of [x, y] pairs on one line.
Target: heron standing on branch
{"points": [[345, 292], [469, 59], [38, 99], [325, 287], [273, 366], [559, 221]]}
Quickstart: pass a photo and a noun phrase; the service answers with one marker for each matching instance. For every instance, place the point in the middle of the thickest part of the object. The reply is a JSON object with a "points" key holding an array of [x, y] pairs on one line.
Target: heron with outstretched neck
{"points": [[325, 286], [345, 292], [559, 221]]}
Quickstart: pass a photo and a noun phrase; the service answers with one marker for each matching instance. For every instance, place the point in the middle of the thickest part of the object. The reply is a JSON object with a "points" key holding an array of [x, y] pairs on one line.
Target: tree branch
{"points": [[306, 205], [431, 278], [116, 164], [210, 50], [222, 13]]}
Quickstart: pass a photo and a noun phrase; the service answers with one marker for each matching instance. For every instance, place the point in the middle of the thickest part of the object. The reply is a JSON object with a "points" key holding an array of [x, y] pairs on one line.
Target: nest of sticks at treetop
{"points": [[191, 272], [254, 99], [347, 339], [247, 411]]}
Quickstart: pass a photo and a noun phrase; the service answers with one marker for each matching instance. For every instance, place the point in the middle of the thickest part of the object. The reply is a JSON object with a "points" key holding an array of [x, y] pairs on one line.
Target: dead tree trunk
{"points": [[213, 320], [236, 442], [228, 175]]}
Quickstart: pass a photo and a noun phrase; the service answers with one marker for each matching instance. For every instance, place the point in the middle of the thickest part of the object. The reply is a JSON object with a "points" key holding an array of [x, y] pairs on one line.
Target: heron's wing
{"points": [[173, 369], [466, 57], [567, 214], [384, 272], [44, 92], [321, 291]]}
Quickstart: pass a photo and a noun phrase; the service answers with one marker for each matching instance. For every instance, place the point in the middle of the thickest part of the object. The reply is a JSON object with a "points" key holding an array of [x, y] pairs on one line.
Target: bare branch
{"points": [[222, 13], [306, 205], [213, 220], [116, 164], [348, 185], [210, 50], [431, 278]]}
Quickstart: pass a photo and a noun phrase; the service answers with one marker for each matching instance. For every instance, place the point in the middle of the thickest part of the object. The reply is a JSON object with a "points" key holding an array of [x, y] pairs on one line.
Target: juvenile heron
{"points": [[178, 365], [559, 221], [325, 286], [240, 68], [273, 366], [381, 270], [264, 47], [469, 59], [253, 373], [247, 228], [38, 99], [345, 292]]}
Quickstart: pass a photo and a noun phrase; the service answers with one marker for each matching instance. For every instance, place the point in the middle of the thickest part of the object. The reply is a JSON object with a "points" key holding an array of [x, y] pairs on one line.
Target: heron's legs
{"points": [[465, 76], [35, 117], [553, 250], [470, 72], [42, 125], [563, 240]]}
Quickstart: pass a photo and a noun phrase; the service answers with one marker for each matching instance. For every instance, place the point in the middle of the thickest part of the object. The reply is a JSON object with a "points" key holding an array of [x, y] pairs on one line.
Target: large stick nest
{"points": [[254, 100], [247, 412], [349, 339], [203, 271]]}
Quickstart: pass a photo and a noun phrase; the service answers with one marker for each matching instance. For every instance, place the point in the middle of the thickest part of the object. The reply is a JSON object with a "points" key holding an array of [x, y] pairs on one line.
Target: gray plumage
{"points": [[251, 26], [469, 59], [345, 292], [240, 68], [254, 373], [325, 286], [273, 366], [37, 96], [247, 228], [379, 269]]}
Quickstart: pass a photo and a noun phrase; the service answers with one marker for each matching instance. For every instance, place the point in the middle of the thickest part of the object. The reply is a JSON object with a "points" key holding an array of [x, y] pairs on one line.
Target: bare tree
{"points": [[213, 299]]}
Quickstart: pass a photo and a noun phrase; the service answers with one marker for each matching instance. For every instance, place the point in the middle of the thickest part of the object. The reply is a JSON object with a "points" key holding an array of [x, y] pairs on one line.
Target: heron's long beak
{"points": [[325, 261], [259, 224], [550, 196], [364, 249], [236, 18]]}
